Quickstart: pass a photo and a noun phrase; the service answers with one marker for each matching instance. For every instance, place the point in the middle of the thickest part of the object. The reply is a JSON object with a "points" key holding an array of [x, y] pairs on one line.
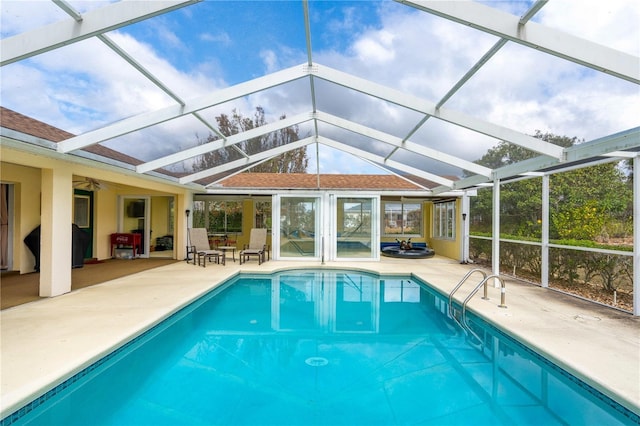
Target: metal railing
{"points": [[463, 323], [503, 293], [463, 280]]}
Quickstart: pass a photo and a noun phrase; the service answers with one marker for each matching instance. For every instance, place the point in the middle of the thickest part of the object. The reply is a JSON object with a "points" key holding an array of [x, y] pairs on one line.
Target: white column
{"points": [[636, 236], [466, 218], [275, 226], [544, 274], [183, 222], [55, 236], [328, 225], [495, 232]]}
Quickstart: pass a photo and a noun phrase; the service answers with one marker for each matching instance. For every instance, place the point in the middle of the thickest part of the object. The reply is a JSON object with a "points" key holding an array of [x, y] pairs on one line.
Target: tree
{"points": [[589, 203], [506, 153], [294, 161], [585, 203], [520, 201]]}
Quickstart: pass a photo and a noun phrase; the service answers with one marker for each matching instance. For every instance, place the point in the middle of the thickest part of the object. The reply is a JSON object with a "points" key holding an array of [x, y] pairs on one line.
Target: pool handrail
{"points": [[463, 280], [503, 292]]}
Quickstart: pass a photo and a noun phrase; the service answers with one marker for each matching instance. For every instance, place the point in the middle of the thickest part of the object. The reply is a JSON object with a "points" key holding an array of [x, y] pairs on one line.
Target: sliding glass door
{"points": [[354, 220], [299, 227], [326, 226]]}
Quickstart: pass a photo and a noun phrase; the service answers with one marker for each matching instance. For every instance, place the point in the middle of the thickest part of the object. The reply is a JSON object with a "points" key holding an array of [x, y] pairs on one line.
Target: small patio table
{"points": [[228, 248]]}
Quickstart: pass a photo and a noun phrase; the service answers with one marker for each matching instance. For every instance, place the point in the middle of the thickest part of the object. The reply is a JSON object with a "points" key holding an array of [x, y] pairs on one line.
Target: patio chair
{"points": [[257, 246], [201, 249]]}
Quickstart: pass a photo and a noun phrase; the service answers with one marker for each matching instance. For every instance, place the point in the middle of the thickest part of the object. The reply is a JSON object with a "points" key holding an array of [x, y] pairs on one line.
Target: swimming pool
{"points": [[322, 347]]}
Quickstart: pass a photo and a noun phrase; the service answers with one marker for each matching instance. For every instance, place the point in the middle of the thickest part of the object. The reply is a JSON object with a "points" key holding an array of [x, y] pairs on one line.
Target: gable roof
{"points": [[250, 181]]}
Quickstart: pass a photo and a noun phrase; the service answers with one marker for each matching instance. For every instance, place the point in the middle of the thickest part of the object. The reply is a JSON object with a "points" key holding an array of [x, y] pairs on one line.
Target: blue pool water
{"points": [[322, 347]]}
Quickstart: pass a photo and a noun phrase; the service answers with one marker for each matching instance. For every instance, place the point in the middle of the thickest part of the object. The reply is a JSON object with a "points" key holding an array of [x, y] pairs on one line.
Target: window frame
{"points": [[402, 203], [445, 220], [208, 201], [81, 211], [267, 216]]}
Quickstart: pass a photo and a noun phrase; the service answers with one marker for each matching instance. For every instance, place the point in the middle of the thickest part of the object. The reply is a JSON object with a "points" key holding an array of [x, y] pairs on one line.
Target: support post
{"points": [[55, 232], [544, 273], [636, 235], [187, 257], [495, 232], [465, 228]]}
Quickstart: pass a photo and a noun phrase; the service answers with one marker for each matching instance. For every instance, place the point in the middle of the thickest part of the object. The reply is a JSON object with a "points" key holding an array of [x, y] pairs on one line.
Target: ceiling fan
{"points": [[88, 184]]}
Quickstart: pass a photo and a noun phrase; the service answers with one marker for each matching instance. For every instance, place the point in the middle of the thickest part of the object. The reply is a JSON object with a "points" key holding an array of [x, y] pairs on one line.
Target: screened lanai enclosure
{"points": [[199, 91]]}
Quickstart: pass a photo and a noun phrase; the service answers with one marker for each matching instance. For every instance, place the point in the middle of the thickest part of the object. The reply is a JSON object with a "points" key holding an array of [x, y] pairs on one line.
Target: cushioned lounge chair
{"points": [[257, 246], [201, 249]]}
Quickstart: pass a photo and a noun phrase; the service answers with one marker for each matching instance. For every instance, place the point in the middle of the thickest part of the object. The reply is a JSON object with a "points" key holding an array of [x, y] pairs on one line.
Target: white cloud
{"points": [[221, 37], [378, 48], [20, 16], [519, 88], [270, 60], [611, 23], [333, 161]]}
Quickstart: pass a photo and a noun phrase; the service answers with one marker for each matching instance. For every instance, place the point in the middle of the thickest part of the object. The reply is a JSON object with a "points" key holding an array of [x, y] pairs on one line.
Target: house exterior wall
{"points": [[26, 181], [105, 221], [159, 218], [444, 247], [447, 248], [23, 170], [427, 227]]}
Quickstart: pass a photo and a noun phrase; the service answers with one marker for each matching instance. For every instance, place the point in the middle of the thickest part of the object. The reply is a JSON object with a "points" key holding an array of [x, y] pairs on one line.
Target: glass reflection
{"points": [[353, 222], [298, 227]]}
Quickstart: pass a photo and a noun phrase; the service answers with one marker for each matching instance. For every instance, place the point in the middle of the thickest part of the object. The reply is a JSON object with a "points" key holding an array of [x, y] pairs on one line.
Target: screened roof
{"points": [[416, 88]]}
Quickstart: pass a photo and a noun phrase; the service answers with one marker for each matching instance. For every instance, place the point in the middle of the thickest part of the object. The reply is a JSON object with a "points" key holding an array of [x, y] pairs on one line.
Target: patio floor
{"points": [[49, 340]]}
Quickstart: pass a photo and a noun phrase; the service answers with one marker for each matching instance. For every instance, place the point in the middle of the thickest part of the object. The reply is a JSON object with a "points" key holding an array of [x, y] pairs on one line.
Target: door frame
{"points": [[319, 236], [326, 239], [146, 236], [10, 224], [89, 226], [333, 226]]}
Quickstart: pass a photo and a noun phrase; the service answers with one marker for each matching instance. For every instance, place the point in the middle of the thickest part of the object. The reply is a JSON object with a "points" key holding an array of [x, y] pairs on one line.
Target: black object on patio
{"points": [[79, 241]]}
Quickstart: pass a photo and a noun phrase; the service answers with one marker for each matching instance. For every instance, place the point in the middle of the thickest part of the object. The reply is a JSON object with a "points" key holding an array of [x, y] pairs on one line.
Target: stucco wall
{"points": [[23, 168], [448, 248], [26, 183], [159, 217]]}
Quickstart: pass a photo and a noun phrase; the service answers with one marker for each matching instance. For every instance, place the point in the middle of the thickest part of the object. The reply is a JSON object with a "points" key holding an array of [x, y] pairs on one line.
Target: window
{"points": [[81, 214], [444, 220], [218, 216], [262, 216], [402, 218]]}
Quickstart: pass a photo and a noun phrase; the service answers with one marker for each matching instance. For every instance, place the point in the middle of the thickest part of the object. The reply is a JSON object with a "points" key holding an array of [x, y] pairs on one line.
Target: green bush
{"points": [[610, 271]]}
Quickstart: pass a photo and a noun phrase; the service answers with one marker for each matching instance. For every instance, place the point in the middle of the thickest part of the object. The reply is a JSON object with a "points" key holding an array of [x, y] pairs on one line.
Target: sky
{"points": [[202, 48]]}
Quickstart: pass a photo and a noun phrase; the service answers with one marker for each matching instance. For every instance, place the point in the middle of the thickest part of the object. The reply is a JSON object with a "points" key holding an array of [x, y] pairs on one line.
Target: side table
{"points": [[228, 248]]}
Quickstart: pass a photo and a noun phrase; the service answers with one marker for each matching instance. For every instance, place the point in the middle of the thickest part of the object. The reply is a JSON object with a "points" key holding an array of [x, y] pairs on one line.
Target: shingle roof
{"points": [[313, 181], [21, 123]]}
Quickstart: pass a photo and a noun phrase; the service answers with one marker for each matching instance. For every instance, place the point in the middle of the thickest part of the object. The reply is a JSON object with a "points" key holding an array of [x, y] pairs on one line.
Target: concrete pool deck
{"points": [[46, 342]]}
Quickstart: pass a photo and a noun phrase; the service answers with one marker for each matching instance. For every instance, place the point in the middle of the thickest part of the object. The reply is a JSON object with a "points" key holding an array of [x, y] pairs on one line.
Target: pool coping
{"points": [[51, 338]]}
